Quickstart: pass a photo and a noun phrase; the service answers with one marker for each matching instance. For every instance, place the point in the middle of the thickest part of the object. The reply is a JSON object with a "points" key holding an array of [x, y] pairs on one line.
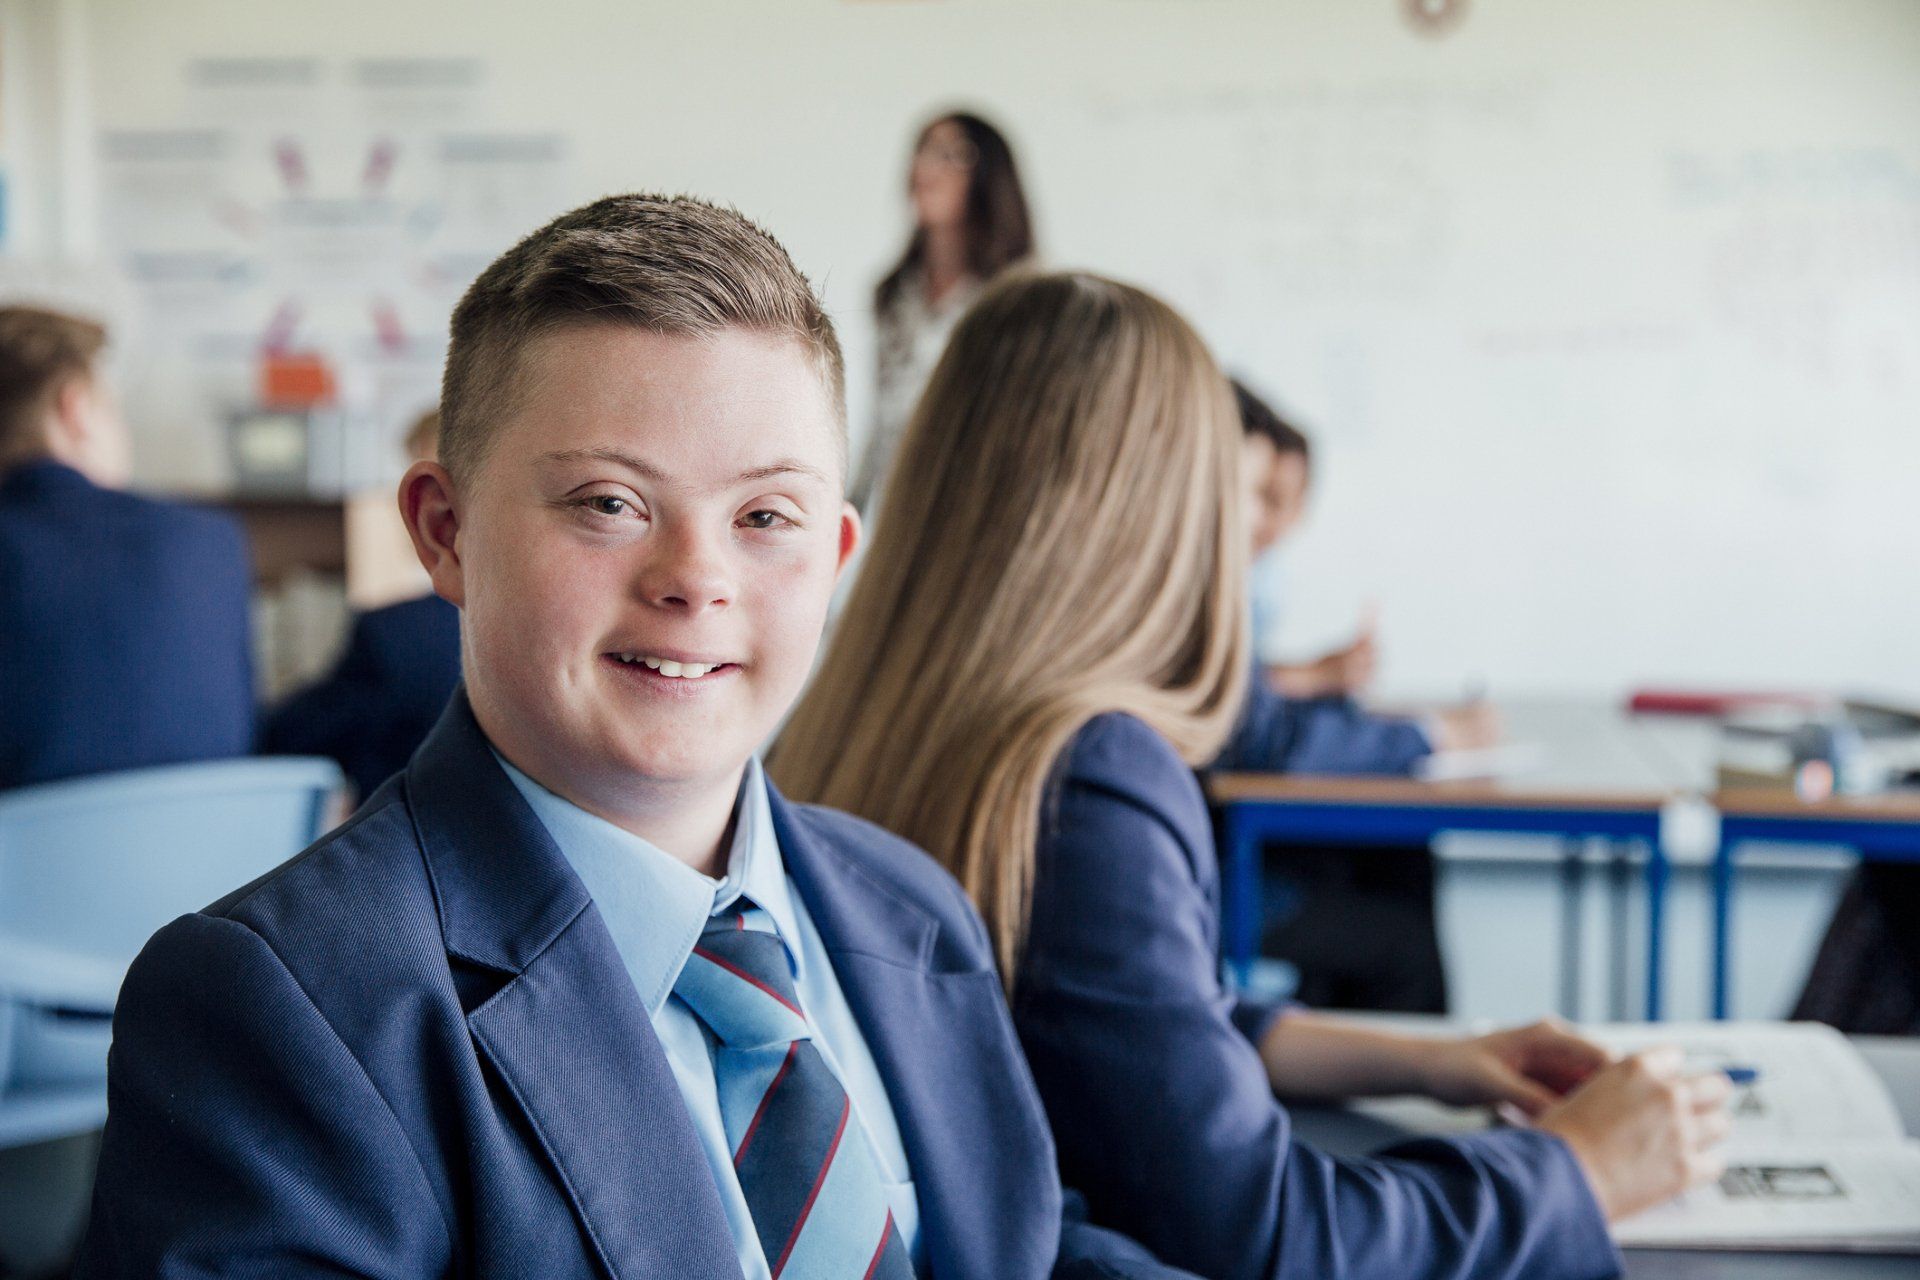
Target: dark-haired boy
{"points": [[578, 993], [1306, 720]]}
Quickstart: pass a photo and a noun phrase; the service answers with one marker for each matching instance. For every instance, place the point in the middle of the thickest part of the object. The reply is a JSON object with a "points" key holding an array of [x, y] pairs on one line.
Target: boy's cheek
{"points": [[793, 586]]}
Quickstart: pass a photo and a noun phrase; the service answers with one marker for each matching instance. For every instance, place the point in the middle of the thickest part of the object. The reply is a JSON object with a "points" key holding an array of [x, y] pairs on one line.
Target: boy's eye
{"points": [[607, 504], [763, 519]]}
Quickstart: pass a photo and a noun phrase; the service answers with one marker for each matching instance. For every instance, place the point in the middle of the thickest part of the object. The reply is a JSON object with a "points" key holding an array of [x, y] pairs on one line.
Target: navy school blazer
{"points": [[125, 636], [1333, 735], [414, 1051], [1160, 1102], [377, 705]]}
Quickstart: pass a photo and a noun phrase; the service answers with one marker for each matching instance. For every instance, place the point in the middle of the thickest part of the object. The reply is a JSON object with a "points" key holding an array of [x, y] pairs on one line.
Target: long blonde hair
{"points": [[1061, 537]]}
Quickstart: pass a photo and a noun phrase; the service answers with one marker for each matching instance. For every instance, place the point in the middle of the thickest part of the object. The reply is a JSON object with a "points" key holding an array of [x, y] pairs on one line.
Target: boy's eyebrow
{"points": [[784, 466]]}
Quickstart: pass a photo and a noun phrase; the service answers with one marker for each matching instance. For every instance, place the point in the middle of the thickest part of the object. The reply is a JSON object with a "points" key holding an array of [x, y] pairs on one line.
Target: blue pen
{"points": [[1742, 1075]]}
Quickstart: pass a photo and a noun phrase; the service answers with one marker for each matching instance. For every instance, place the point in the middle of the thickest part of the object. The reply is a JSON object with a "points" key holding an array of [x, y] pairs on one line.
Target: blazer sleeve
{"points": [[243, 1138], [1163, 1114], [1277, 734]]}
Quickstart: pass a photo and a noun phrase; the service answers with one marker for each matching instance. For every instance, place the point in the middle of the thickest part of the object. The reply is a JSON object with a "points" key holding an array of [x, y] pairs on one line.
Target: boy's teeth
{"points": [[673, 670]]}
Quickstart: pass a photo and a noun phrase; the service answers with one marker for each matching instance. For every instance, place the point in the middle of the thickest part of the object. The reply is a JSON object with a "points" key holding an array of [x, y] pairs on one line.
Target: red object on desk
{"points": [[1718, 702]]}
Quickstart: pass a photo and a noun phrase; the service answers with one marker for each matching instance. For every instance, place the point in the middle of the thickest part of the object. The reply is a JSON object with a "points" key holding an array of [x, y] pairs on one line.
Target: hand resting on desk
{"points": [[1642, 1130], [1470, 726]]}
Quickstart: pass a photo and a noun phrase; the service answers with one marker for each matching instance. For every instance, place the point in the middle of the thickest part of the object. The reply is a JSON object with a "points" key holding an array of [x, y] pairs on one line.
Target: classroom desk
{"points": [[1883, 828], [1256, 808], [1602, 775], [1362, 1127], [1606, 774]]}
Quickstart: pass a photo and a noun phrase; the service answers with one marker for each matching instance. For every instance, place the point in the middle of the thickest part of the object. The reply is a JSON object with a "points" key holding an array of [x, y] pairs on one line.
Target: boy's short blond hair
{"points": [[667, 264], [40, 351]]}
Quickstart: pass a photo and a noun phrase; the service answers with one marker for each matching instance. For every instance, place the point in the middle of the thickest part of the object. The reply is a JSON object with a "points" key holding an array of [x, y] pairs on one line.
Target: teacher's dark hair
{"points": [[999, 229]]}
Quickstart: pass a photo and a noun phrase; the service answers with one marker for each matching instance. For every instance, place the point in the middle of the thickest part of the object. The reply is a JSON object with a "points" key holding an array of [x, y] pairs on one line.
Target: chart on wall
{"points": [[320, 215]]}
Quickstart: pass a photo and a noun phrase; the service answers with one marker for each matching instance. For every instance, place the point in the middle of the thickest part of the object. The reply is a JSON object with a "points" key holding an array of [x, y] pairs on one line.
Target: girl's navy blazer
{"points": [[1160, 1101]]}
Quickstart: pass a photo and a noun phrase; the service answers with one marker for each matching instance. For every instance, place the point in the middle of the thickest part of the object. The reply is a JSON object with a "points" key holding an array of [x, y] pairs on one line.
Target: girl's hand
{"points": [[1531, 1068], [1644, 1131]]}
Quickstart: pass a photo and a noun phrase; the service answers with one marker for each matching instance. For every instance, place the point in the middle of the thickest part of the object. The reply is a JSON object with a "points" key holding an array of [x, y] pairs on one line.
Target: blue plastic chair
{"points": [[89, 869]]}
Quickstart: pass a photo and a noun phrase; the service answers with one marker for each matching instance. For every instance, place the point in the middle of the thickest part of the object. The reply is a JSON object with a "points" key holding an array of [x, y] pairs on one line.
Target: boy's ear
{"points": [[70, 406], [68, 426], [849, 537], [84, 431], [432, 515]]}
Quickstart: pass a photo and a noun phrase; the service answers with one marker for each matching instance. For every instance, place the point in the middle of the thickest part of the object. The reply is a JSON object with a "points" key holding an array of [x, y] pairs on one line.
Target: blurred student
{"points": [[377, 705], [970, 223], [124, 621], [1303, 719], [1357, 924], [1279, 472], [579, 993], [1027, 698]]}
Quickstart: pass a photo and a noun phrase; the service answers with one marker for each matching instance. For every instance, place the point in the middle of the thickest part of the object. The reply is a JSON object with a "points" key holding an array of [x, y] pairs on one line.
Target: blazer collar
{"points": [[945, 1048], [43, 475], [504, 890], [567, 1034], [856, 911]]}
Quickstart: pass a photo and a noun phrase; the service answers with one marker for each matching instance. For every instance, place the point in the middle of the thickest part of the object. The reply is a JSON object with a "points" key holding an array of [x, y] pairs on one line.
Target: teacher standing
{"points": [[970, 224]]}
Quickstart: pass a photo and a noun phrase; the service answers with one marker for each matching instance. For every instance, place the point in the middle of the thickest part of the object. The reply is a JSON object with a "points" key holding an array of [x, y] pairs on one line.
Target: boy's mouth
{"points": [[671, 668]]}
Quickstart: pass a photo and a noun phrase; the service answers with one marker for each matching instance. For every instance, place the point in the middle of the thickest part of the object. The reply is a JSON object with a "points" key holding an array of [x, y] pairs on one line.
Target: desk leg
{"points": [[1573, 865], [1243, 895], [1656, 925], [1620, 917], [1722, 926]]}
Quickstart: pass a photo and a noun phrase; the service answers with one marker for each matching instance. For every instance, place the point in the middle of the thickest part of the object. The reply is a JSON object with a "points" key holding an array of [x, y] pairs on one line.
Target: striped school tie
{"points": [[817, 1199]]}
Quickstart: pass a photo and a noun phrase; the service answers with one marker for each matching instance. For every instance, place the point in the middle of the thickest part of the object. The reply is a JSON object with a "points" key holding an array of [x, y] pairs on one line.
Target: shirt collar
{"points": [[653, 904], [762, 871]]}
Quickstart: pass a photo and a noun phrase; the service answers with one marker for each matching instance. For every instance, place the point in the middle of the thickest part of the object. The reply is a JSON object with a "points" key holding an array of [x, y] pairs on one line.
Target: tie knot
{"points": [[739, 981]]}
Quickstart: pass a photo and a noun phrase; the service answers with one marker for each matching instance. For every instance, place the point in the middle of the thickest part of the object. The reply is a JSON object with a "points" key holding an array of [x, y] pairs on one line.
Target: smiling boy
{"points": [[577, 993]]}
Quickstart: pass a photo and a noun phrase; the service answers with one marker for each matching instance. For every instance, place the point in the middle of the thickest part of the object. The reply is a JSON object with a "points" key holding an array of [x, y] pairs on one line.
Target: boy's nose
{"points": [[687, 574]]}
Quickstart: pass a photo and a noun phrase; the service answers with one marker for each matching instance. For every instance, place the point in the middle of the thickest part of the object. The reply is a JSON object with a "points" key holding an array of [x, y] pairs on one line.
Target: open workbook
{"points": [[1817, 1160]]}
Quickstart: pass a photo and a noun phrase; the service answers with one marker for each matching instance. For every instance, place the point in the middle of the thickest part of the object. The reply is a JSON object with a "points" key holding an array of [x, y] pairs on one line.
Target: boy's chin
{"points": [[673, 764]]}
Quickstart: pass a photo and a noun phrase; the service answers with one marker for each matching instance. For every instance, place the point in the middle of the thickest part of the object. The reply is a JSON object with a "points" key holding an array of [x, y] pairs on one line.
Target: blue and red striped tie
{"points": [[817, 1199]]}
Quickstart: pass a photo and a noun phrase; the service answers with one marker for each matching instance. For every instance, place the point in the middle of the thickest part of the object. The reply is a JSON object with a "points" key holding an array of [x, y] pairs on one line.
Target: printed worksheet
{"points": [[1817, 1159]]}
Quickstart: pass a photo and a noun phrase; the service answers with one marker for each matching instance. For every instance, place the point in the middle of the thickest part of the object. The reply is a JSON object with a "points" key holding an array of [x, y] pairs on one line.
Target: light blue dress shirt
{"points": [[655, 906], [1266, 595]]}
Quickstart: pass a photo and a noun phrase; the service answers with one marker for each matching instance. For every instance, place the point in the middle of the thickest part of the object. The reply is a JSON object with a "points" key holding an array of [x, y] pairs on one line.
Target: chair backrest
{"points": [[92, 867]]}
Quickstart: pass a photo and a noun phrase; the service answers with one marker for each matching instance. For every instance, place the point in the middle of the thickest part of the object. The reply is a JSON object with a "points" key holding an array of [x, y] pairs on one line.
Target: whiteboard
{"points": [[1605, 317]]}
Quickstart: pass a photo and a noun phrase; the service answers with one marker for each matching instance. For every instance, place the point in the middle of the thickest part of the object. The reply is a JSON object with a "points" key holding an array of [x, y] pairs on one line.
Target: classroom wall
{"points": [[1606, 317]]}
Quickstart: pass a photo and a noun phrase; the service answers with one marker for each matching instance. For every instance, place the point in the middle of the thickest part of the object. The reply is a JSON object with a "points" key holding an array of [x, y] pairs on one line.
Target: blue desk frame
{"points": [[1877, 838], [1247, 823]]}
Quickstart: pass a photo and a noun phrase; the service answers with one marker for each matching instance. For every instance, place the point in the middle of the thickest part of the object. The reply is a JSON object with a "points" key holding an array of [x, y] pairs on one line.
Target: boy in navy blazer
{"points": [[578, 993], [124, 633]]}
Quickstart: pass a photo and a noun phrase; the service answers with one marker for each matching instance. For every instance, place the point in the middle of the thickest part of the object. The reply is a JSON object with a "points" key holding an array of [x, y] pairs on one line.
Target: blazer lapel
{"points": [[567, 1033], [981, 1152], [574, 1045]]}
